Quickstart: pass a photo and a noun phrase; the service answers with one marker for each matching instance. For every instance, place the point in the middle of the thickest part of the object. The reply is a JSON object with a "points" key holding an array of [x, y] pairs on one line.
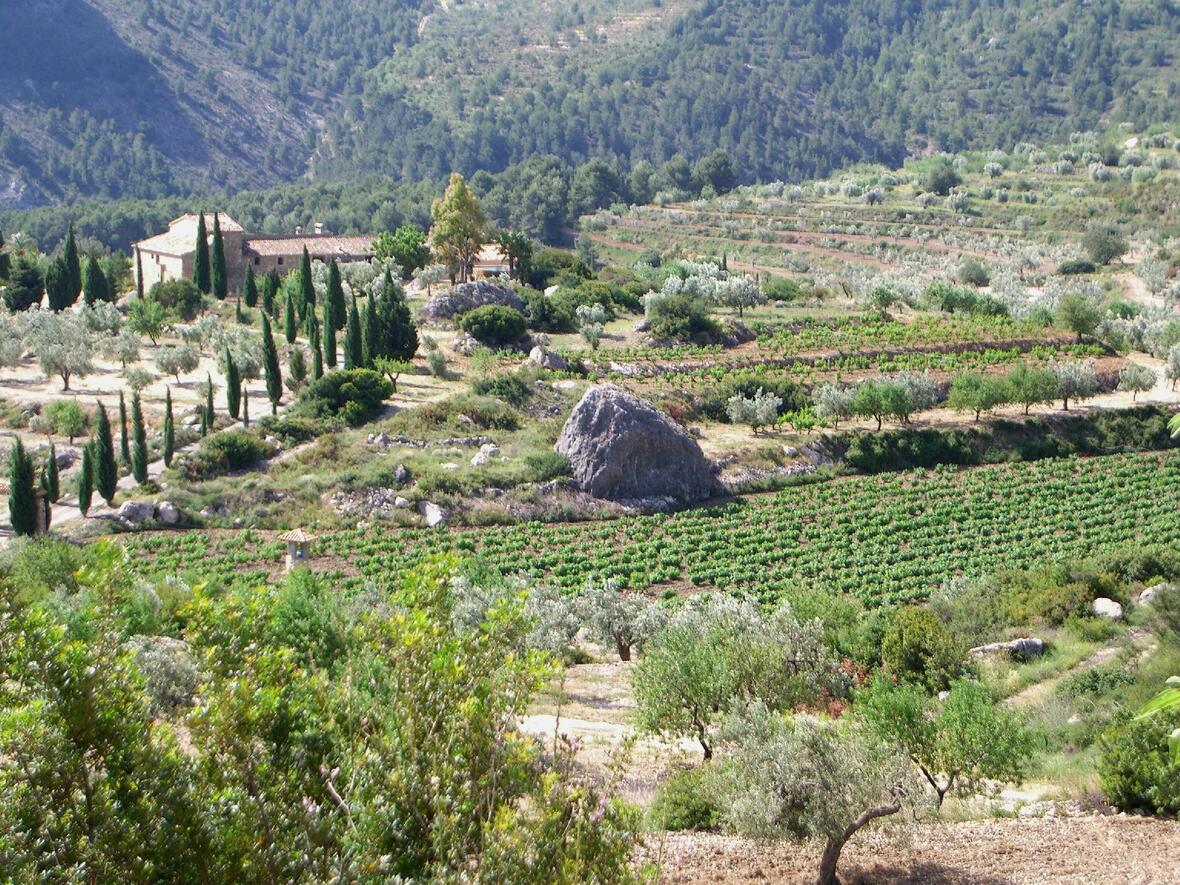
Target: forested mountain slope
{"points": [[141, 98]]}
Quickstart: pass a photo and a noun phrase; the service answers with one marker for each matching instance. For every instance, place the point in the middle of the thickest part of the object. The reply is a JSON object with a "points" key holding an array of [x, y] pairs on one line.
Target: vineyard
{"points": [[886, 539]]}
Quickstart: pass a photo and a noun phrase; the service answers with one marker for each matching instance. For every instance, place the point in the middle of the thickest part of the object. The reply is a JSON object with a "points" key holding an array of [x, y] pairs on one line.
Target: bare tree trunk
{"points": [[834, 845]]}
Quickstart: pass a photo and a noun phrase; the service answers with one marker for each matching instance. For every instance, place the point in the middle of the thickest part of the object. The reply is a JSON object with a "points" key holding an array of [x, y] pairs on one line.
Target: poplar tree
{"points": [[169, 428], [201, 271], [329, 344], [250, 288], [233, 386], [335, 311], [220, 280], [73, 266], [86, 478], [22, 501], [124, 439], [139, 450], [270, 364], [289, 326], [52, 477], [106, 471], [354, 345], [95, 287]]}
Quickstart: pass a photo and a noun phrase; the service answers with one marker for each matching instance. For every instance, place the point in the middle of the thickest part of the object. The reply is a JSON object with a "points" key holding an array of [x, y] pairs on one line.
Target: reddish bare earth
{"points": [[1091, 850]]}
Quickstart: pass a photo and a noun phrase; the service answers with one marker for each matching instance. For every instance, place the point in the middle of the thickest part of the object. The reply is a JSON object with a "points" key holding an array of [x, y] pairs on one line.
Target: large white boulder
{"points": [[1104, 607]]}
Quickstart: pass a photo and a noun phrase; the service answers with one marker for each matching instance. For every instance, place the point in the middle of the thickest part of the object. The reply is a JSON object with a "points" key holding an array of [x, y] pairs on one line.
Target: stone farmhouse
{"points": [[170, 255]]}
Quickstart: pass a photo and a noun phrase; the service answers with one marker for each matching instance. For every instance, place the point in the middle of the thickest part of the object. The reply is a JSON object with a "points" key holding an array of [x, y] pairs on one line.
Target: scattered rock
{"points": [[1105, 607], [449, 465], [642, 326], [66, 458], [167, 513], [1024, 649], [435, 515], [465, 420], [485, 454], [401, 503], [548, 359], [135, 512], [401, 475], [191, 420], [468, 296], [464, 343], [1151, 593], [621, 447]]}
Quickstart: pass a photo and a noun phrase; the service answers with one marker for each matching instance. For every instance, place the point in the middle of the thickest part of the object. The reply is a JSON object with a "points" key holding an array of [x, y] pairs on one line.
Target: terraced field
{"points": [[885, 539]]}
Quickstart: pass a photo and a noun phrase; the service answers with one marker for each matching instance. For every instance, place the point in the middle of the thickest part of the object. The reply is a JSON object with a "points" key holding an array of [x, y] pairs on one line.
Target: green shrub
{"points": [[508, 386], [686, 800], [544, 314], [292, 430], [682, 318], [545, 465], [918, 648], [1091, 629], [494, 324], [1137, 769], [1095, 681], [1076, 266], [714, 404], [181, 299], [306, 618], [225, 451], [355, 395], [42, 565]]}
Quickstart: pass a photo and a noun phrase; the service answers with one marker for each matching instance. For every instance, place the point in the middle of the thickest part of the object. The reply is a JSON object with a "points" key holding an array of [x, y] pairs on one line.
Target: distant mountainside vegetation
{"points": [[151, 99]]}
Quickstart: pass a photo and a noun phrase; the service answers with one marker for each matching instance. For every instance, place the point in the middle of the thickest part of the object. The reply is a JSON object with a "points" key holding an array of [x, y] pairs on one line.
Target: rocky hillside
{"points": [[142, 98]]}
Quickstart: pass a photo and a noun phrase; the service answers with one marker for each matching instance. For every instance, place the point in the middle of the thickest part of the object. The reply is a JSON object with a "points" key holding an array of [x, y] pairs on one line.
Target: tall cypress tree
{"points": [[354, 345], [202, 273], [86, 478], [207, 413], [124, 438], [95, 287], [169, 428], [106, 471], [52, 477], [138, 273], [22, 503], [219, 278], [317, 360], [270, 291], [5, 260], [371, 331], [398, 338], [329, 343], [73, 265], [270, 363], [335, 311], [139, 450], [289, 326], [306, 285], [57, 285], [250, 288], [245, 406], [233, 386]]}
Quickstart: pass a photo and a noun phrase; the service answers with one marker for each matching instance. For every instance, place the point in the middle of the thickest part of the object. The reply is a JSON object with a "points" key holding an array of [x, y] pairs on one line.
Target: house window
{"points": [[280, 259], [257, 260]]}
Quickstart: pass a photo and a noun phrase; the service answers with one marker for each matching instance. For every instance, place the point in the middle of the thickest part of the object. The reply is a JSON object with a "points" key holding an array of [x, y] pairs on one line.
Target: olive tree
{"points": [[591, 318], [177, 359], [62, 344], [1137, 379], [612, 617], [1078, 313], [123, 347], [1172, 370], [739, 292], [1076, 380], [759, 410], [717, 652], [804, 777], [976, 392], [832, 402], [963, 745], [1030, 386]]}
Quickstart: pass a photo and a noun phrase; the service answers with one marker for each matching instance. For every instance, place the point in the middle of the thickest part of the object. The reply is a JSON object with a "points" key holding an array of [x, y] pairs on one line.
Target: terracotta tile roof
{"points": [[316, 245]]}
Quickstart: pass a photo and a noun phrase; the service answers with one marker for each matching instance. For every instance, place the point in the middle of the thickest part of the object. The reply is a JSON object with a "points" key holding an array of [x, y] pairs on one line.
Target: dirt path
{"points": [[1088, 850], [1040, 691]]}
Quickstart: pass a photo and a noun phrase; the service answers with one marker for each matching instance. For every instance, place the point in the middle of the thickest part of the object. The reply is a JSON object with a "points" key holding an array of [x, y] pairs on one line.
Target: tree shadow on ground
{"points": [[920, 873]]}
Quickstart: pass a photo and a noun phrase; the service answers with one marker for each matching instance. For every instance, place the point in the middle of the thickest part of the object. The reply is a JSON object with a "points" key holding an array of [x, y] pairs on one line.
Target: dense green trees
{"points": [[459, 229], [95, 287], [407, 246]]}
